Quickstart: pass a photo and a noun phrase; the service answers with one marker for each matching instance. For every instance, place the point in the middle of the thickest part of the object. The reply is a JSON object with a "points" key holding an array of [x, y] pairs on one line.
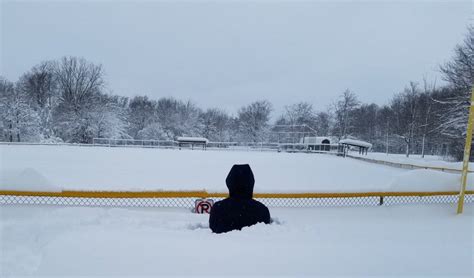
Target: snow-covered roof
{"points": [[357, 143], [314, 140], [192, 139]]}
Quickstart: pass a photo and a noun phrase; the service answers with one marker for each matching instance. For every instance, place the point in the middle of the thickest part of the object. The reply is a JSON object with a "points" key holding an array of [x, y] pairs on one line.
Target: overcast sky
{"points": [[228, 54]]}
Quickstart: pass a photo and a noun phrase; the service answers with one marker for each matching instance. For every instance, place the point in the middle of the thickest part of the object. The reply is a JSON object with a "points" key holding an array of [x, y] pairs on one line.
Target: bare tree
{"points": [[459, 72], [404, 107], [323, 123], [301, 113], [385, 116], [78, 81], [365, 121], [425, 111], [297, 122], [343, 110]]}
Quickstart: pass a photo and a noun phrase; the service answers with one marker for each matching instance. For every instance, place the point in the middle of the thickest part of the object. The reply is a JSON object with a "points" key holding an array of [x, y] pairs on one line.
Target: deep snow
{"points": [[54, 168], [409, 240], [415, 240], [414, 159]]}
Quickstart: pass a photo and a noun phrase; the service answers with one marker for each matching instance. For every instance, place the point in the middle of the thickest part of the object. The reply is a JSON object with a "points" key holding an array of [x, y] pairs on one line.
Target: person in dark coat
{"points": [[239, 210]]}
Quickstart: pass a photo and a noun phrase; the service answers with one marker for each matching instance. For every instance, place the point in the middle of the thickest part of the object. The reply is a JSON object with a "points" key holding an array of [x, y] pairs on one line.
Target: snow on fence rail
{"points": [[406, 165], [186, 199]]}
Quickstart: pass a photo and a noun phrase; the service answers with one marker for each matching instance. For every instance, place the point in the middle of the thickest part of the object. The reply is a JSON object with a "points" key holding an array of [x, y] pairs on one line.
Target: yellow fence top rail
{"points": [[205, 194]]}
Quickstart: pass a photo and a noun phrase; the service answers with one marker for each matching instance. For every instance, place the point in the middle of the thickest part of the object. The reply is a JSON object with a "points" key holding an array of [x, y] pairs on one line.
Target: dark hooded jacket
{"points": [[239, 210]]}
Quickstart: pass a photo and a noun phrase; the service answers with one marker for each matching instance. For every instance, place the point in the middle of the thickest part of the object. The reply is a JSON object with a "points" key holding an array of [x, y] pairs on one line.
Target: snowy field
{"points": [[419, 240], [55, 168], [414, 159], [51, 241]]}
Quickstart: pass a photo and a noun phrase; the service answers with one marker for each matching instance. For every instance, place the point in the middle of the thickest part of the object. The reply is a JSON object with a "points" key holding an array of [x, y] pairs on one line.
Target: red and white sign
{"points": [[203, 205]]}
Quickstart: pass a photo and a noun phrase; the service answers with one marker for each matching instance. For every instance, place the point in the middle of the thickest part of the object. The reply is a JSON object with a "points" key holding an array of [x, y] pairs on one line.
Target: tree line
{"points": [[66, 100]]}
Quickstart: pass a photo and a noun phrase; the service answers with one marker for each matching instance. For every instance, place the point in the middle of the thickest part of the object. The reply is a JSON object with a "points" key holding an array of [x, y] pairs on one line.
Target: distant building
{"points": [[316, 143]]}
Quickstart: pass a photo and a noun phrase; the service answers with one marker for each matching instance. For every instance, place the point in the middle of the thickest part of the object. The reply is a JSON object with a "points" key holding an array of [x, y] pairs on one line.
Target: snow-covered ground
{"points": [[409, 240], [414, 159], [55, 168]]}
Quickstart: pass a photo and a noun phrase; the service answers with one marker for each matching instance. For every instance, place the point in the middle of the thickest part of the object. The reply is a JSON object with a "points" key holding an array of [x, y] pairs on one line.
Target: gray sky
{"points": [[228, 54]]}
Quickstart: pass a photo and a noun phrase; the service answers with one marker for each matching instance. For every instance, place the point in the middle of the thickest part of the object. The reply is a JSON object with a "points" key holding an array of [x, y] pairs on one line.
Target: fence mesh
{"points": [[188, 202]]}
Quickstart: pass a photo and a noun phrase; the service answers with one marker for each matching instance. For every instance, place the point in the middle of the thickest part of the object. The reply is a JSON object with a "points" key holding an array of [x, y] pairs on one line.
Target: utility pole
{"points": [[467, 153]]}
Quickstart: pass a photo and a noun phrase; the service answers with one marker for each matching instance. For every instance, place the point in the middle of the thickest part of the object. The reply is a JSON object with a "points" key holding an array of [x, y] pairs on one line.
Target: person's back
{"points": [[239, 210]]}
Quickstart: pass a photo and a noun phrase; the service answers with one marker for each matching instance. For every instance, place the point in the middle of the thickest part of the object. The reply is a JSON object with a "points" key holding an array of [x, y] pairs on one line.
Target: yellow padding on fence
{"points": [[205, 194]]}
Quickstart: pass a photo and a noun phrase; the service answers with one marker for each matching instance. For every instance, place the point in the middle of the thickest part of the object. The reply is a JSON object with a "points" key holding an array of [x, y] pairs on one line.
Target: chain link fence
{"points": [[188, 202]]}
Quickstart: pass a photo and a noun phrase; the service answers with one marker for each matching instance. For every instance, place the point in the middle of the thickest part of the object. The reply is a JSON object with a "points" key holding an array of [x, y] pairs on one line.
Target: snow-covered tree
{"points": [[79, 84], [189, 121], [167, 116], [109, 117], [141, 113], [152, 131], [39, 87], [178, 118], [253, 121], [215, 125], [19, 121]]}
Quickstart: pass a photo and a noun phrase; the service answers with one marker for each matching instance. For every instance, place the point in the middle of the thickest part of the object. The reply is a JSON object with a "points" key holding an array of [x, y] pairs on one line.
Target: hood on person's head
{"points": [[240, 181]]}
